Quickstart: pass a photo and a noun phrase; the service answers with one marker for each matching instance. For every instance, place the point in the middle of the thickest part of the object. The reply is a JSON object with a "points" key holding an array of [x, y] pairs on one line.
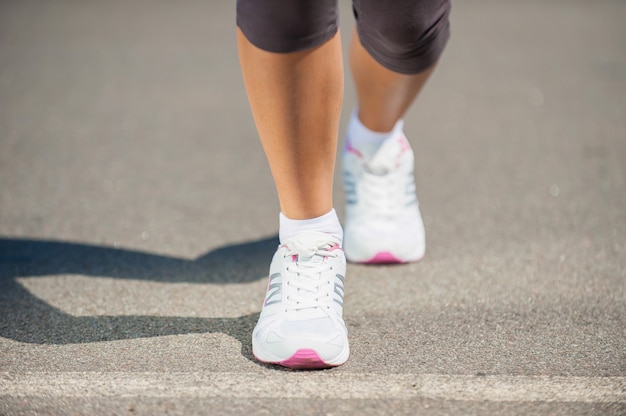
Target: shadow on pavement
{"points": [[238, 263], [26, 318]]}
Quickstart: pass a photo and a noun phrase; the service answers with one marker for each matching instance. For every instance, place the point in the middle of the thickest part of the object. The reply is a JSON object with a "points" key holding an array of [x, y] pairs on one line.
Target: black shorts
{"points": [[406, 36]]}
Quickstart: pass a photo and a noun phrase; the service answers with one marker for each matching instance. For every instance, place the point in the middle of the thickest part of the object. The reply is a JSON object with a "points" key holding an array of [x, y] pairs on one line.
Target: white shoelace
{"points": [[308, 282], [381, 193]]}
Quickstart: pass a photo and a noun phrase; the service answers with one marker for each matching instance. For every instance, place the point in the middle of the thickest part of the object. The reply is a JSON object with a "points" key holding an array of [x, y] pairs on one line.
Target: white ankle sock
{"points": [[327, 223], [365, 140]]}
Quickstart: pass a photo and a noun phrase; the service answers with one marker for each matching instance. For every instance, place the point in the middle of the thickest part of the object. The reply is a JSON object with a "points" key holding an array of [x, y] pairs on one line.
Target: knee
{"points": [[407, 36], [287, 26]]}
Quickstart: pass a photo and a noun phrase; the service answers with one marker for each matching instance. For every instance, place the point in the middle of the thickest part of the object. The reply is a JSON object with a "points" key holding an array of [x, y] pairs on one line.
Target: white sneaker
{"points": [[301, 324], [383, 223]]}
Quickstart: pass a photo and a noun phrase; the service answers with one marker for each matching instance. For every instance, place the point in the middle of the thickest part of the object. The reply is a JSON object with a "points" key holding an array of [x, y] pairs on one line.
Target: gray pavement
{"points": [[138, 217]]}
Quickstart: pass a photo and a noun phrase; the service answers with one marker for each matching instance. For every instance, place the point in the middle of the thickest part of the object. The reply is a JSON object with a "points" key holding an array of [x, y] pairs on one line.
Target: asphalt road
{"points": [[138, 217]]}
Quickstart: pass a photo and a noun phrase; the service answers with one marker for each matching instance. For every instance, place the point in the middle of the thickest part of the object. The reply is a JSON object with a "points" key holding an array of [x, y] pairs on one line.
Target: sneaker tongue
{"points": [[307, 244], [308, 255], [386, 158], [310, 259]]}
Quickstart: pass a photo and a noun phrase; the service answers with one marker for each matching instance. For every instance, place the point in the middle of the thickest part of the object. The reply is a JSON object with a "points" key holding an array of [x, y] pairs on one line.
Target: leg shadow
{"points": [[237, 263], [26, 318]]}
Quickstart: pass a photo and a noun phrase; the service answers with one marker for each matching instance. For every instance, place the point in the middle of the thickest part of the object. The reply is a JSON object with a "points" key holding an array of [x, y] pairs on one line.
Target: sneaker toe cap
{"points": [[326, 337], [364, 243]]}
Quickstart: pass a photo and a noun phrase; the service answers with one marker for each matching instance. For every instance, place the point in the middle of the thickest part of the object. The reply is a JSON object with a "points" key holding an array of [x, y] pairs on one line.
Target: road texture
{"points": [[138, 217]]}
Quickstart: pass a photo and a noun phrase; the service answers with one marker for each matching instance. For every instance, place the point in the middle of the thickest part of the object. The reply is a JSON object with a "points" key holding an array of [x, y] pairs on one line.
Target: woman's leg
{"points": [[295, 91], [392, 54], [393, 51], [383, 95], [296, 102]]}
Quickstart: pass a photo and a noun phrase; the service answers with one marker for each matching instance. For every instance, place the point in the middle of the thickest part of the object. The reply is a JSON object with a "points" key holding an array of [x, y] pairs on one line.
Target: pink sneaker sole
{"points": [[304, 359], [383, 257]]}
